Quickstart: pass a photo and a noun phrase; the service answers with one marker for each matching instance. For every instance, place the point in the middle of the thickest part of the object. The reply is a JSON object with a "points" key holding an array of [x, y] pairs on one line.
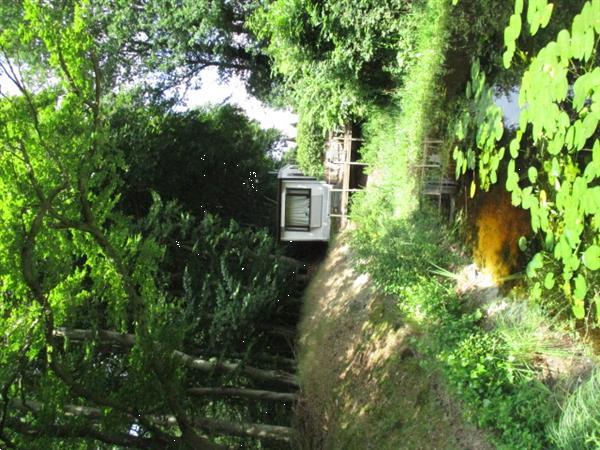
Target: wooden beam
{"points": [[346, 175]]}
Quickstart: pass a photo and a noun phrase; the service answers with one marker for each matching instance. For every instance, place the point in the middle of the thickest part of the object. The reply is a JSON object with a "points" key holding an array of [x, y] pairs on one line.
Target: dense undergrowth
{"points": [[489, 360], [482, 366], [431, 69]]}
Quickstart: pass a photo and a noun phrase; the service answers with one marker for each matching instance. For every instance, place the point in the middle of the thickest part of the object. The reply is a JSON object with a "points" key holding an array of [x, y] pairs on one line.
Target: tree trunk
{"points": [[246, 429], [273, 376], [244, 393], [218, 426], [128, 340]]}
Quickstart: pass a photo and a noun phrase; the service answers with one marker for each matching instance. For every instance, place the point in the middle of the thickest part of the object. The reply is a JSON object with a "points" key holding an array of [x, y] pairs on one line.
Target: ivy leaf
{"points": [[514, 148], [532, 173], [582, 87], [581, 288], [527, 199], [514, 26], [546, 15], [563, 41], [591, 257], [522, 243], [519, 7], [579, 309], [516, 197], [507, 56]]}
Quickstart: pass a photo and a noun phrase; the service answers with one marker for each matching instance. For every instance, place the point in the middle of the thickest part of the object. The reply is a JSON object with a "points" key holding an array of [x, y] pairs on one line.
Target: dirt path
{"points": [[362, 386]]}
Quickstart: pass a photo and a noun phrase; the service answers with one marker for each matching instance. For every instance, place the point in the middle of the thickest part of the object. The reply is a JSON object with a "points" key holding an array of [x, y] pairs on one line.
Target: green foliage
{"points": [[476, 30], [167, 42], [399, 248], [337, 57], [233, 286], [499, 397], [560, 153], [499, 392], [210, 160], [480, 125], [310, 146], [528, 332], [93, 303], [579, 424], [394, 134]]}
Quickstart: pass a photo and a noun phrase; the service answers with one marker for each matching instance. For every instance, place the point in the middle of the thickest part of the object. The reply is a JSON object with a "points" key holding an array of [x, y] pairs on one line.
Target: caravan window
{"points": [[297, 209]]}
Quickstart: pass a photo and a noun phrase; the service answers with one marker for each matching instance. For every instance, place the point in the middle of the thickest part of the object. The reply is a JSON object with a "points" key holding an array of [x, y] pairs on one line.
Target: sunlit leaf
{"points": [[591, 257]]}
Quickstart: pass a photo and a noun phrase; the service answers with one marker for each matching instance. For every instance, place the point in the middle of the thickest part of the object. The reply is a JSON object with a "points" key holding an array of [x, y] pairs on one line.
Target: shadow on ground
{"points": [[362, 386]]}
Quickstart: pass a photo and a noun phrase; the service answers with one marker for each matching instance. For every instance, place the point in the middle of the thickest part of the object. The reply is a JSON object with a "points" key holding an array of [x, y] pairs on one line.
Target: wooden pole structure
{"points": [[346, 173]]}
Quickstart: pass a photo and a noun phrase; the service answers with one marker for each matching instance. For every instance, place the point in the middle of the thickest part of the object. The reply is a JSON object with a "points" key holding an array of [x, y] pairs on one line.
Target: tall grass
{"points": [[394, 135], [579, 424], [527, 332]]}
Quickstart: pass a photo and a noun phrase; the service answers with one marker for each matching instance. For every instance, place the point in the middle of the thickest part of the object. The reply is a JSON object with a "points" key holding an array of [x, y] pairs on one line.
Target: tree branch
{"points": [[219, 426], [127, 340], [28, 267], [204, 365], [253, 394], [246, 429], [75, 431]]}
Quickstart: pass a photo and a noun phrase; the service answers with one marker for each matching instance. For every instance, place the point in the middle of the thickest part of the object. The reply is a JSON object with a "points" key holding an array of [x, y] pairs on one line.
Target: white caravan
{"points": [[304, 206]]}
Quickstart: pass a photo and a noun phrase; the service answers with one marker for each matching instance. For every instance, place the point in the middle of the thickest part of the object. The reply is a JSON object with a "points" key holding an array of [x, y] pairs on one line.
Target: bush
{"points": [[311, 146]]}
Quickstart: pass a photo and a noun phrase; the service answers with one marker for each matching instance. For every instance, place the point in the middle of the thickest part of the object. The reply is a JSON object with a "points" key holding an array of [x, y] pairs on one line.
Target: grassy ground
{"points": [[362, 385]]}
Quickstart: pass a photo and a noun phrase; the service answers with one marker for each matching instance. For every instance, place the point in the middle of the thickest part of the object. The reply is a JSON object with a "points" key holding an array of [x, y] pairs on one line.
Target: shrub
{"points": [[311, 146]]}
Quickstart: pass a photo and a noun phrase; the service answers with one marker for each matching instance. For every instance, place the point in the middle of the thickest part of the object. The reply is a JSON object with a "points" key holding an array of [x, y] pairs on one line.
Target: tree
{"points": [[337, 59], [213, 159], [175, 40], [95, 345]]}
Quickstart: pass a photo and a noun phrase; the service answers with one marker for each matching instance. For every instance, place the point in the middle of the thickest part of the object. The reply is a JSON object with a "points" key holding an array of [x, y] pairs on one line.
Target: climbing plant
{"points": [[481, 110], [554, 165]]}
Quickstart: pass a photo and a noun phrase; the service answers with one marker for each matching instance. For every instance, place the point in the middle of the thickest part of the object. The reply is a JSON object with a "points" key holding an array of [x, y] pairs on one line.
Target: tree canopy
{"points": [[211, 159], [120, 330], [175, 40]]}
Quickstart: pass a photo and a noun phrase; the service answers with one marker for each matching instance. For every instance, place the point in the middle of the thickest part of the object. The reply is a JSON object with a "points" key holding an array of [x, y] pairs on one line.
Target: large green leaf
{"points": [[580, 291], [532, 174], [591, 257], [536, 263]]}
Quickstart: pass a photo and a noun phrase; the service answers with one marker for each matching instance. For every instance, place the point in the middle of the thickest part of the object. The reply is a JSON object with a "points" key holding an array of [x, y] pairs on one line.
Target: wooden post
{"points": [[346, 174]]}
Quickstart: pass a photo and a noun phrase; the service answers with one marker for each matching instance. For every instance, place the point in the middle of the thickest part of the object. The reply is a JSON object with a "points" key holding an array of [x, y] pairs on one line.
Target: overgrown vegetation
{"points": [[127, 321], [338, 59], [132, 317], [487, 359], [212, 159], [578, 425], [487, 368], [554, 152]]}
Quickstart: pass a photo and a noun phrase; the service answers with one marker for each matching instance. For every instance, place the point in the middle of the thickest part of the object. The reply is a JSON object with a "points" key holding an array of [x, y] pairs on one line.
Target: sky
{"points": [[510, 107], [212, 91]]}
